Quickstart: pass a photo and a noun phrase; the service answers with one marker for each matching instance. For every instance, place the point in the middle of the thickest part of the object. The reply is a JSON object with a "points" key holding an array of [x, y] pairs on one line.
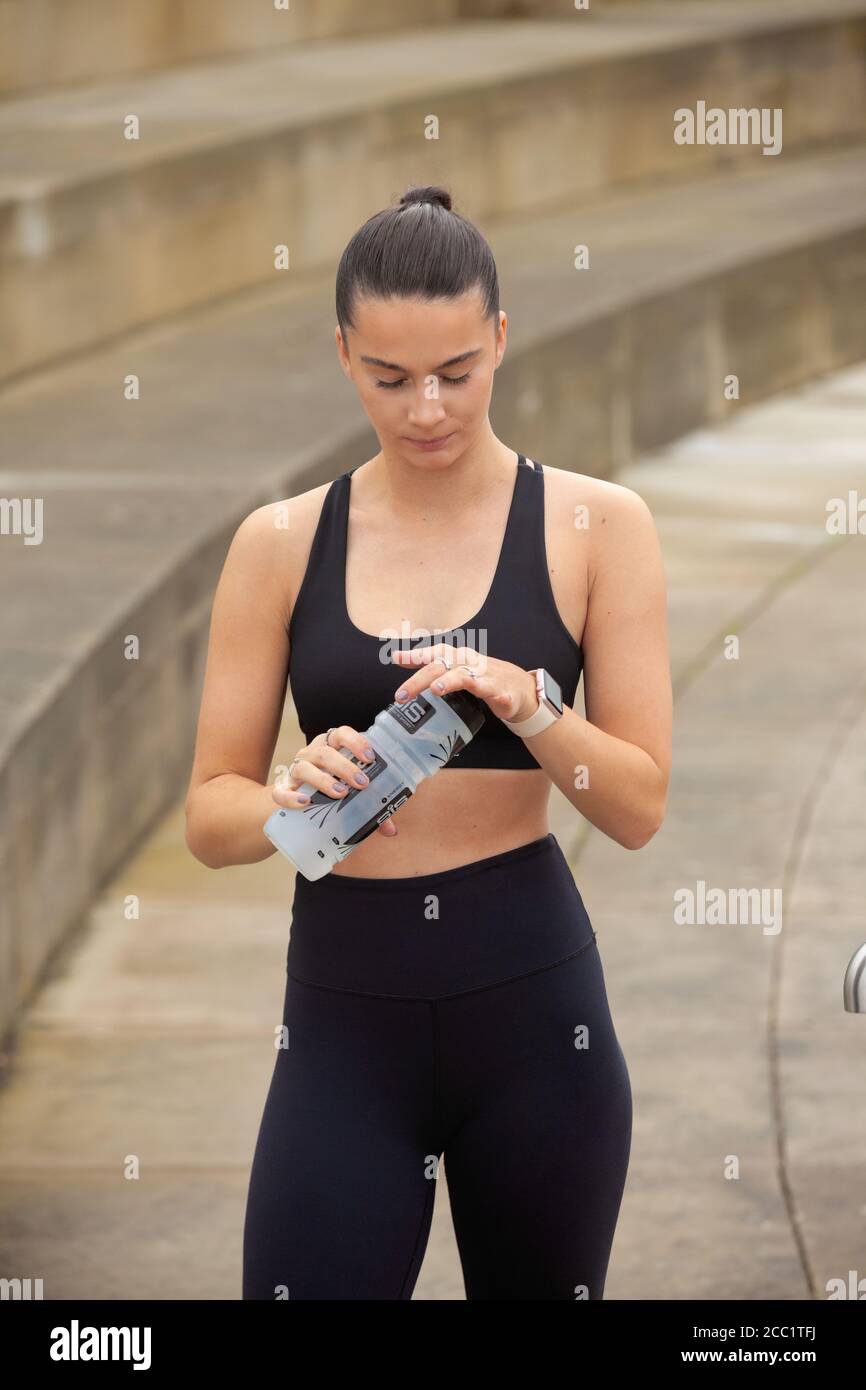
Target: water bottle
{"points": [[411, 741]]}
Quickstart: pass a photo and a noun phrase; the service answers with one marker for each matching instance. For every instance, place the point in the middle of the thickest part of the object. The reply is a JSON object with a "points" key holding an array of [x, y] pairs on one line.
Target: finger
{"points": [[340, 768], [286, 791], [285, 780], [318, 776], [388, 829], [347, 737], [422, 652], [484, 687], [456, 679], [335, 766], [466, 673], [420, 680], [344, 768], [418, 656], [292, 798]]}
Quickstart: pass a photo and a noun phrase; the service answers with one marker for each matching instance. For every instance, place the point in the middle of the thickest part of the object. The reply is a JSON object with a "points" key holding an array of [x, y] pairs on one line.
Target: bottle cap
{"points": [[467, 707]]}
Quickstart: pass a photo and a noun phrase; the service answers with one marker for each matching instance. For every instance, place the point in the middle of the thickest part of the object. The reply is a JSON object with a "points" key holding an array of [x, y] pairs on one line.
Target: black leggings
{"points": [[461, 1012]]}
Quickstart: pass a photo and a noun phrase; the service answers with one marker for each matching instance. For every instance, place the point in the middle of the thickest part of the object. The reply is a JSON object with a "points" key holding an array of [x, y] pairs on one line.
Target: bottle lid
{"points": [[467, 707]]}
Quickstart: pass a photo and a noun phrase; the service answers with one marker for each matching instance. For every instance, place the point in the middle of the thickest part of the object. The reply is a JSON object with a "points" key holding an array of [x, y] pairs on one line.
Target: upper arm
{"points": [[627, 680], [248, 657]]}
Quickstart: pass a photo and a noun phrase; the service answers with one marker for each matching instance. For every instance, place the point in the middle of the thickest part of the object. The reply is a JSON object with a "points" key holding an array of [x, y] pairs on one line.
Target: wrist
{"points": [[528, 702], [548, 706]]}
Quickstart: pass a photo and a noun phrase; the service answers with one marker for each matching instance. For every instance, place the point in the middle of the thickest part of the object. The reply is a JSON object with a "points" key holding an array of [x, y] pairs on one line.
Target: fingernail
{"points": [[340, 786], [368, 753], [401, 693], [302, 800], [362, 779]]}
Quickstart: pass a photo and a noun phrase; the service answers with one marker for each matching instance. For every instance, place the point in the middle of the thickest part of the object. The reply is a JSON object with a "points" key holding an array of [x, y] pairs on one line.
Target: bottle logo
{"points": [[414, 714]]}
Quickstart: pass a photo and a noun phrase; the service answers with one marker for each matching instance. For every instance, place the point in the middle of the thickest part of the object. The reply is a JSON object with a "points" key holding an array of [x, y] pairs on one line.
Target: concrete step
{"points": [[100, 234], [760, 275], [50, 43]]}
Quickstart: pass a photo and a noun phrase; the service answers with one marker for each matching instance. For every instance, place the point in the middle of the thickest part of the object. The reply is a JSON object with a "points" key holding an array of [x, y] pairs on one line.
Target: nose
{"points": [[424, 420], [426, 408]]}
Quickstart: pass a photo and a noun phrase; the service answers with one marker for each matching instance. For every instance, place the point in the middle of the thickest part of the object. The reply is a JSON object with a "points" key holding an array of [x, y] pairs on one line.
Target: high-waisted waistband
{"points": [[442, 933]]}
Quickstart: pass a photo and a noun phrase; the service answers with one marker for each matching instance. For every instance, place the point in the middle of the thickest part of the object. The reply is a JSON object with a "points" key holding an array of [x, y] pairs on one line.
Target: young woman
{"points": [[445, 993]]}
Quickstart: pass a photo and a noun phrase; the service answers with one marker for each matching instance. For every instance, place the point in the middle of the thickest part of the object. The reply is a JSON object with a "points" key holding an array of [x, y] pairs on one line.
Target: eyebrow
{"points": [[395, 367]]}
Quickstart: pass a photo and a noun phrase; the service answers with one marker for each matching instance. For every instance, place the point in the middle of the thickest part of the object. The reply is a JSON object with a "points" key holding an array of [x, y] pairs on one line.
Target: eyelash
{"points": [[452, 381]]}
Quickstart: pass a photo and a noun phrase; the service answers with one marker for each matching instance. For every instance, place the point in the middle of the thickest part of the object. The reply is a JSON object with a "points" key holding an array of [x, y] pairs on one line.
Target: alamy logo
{"points": [[22, 1289], [76, 1343], [22, 516], [703, 906], [854, 1287], [738, 126]]}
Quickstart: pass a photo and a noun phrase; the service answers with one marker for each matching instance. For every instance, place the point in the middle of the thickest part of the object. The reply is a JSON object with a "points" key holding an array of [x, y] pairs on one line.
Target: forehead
{"points": [[418, 328]]}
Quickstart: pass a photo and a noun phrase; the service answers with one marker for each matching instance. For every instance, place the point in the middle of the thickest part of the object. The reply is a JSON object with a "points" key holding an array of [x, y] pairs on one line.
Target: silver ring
{"points": [[447, 661], [473, 671], [292, 764], [328, 735]]}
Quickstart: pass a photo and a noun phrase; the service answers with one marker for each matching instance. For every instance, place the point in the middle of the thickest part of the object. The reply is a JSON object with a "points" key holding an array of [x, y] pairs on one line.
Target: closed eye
{"points": [[452, 381]]}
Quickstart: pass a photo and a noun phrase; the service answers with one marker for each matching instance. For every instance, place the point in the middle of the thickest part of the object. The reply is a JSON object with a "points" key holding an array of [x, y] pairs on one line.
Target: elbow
{"points": [[203, 858], [638, 842], [197, 844], [643, 837]]}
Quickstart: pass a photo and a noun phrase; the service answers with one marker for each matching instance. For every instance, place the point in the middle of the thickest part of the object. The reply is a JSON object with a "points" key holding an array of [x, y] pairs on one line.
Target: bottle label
{"points": [[402, 794], [414, 714]]}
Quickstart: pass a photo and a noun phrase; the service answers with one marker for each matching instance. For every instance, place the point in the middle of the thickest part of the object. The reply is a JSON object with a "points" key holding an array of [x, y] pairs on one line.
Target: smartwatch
{"points": [[549, 706]]}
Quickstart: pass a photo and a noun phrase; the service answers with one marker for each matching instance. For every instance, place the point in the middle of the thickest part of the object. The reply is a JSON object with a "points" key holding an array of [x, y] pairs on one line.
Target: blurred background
{"points": [[685, 290]]}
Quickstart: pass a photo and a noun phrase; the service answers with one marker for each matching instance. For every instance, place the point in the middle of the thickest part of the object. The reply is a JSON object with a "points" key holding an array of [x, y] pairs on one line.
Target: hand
{"points": [[506, 689], [322, 765]]}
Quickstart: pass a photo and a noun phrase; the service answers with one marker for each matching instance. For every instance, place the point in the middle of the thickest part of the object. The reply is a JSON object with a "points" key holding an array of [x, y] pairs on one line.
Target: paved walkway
{"points": [[153, 1042]]}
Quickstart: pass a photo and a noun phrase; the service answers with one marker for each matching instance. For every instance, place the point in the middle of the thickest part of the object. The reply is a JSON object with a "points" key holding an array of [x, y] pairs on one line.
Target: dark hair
{"points": [[419, 247]]}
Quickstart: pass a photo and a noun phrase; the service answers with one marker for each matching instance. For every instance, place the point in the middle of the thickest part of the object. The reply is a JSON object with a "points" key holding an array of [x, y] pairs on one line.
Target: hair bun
{"points": [[431, 194]]}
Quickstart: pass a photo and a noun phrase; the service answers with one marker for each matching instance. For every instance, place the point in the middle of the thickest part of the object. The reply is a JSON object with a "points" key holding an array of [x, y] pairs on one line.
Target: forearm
{"points": [[615, 784], [224, 819]]}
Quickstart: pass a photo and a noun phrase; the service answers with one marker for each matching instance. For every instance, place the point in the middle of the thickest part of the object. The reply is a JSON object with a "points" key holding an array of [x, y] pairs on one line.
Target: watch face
{"points": [[553, 692]]}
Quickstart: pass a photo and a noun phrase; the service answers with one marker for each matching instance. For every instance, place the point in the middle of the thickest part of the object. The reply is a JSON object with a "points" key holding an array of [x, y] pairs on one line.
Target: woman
{"points": [[445, 993]]}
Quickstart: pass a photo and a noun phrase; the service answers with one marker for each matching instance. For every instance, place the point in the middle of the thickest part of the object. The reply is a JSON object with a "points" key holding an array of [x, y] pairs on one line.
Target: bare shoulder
{"points": [[291, 513], [292, 524], [615, 520], [270, 547], [608, 498]]}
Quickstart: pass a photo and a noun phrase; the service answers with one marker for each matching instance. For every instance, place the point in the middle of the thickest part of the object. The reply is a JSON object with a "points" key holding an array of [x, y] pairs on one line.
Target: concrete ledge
{"points": [[99, 234], [241, 407], [50, 43]]}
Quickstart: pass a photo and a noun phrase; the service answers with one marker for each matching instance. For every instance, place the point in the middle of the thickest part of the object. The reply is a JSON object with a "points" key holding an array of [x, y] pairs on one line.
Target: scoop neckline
{"points": [[458, 627]]}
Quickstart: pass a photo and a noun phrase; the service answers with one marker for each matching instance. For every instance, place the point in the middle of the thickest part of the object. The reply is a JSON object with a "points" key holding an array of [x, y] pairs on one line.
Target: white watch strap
{"points": [[534, 724], [525, 728]]}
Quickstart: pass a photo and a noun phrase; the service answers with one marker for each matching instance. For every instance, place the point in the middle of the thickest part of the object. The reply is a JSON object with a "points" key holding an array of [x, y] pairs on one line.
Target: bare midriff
{"points": [[454, 818]]}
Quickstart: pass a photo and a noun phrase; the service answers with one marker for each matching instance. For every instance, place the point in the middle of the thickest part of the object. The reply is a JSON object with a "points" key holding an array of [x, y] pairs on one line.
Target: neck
{"points": [[434, 491]]}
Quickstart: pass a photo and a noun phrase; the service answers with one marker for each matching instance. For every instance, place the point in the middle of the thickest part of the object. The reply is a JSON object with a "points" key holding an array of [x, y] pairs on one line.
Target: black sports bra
{"points": [[335, 670]]}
